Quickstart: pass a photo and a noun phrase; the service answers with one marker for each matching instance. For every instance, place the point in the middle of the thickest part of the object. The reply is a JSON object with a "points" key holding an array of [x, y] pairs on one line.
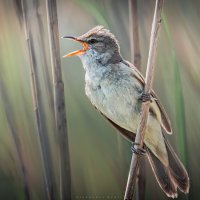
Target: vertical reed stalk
{"points": [[145, 106], [13, 129], [134, 34], [37, 104], [59, 102], [46, 69], [136, 59]]}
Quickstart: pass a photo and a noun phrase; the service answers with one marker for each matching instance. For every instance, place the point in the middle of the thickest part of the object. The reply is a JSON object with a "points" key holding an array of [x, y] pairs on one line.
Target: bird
{"points": [[115, 87]]}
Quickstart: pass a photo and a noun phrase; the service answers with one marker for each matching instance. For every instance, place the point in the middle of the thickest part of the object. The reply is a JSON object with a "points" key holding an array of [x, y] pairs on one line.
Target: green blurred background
{"points": [[99, 157]]}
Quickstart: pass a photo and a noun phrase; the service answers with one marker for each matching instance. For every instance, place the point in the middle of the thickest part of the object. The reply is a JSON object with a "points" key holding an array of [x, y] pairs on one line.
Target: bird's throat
{"points": [[94, 60]]}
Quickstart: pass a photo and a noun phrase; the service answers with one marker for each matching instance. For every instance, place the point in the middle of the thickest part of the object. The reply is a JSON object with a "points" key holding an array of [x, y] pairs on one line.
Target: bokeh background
{"points": [[99, 156]]}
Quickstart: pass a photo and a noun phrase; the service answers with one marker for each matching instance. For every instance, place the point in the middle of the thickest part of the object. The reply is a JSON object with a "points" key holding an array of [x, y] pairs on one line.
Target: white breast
{"points": [[114, 93]]}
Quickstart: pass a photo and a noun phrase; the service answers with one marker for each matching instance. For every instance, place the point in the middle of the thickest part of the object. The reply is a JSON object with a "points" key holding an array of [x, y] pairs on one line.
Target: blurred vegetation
{"points": [[99, 157]]}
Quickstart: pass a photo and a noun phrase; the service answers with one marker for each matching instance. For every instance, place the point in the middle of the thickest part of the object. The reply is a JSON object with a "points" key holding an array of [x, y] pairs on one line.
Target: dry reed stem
{"points": [[59, 101], [145, 106], [136, 59], [37, 104], [134, 34]]}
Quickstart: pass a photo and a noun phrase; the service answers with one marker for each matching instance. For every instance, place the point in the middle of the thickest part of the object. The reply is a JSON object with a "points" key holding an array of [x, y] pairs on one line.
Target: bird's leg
{"points": [[139, 150], [146, 97]]}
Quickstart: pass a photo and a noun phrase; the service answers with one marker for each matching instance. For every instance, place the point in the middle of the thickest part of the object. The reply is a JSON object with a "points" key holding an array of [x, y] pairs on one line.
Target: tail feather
{"points": [[177, 169], [163, 175], [170, 177]]}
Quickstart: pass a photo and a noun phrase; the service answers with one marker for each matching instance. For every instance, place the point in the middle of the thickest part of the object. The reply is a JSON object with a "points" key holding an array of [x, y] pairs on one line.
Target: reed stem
{"points": [[38, 109], [59, 101], [136, 59], [145, 106], [134, 34]]}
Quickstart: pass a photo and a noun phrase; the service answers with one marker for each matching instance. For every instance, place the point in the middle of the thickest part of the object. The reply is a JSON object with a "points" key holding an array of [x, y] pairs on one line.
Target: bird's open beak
{"points": [[78, 52]]}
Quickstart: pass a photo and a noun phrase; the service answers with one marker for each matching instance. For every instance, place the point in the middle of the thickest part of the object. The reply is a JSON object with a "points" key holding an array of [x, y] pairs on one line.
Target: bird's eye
{"points": [[92, 41]]}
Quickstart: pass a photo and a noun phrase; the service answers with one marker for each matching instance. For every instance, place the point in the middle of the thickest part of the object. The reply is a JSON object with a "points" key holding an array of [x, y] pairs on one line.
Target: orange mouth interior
{"points": [[78, 52]]}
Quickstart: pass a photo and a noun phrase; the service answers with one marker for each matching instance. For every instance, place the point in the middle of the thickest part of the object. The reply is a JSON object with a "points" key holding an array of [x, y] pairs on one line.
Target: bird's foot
{"points": [[139, 150], [145, 97]]}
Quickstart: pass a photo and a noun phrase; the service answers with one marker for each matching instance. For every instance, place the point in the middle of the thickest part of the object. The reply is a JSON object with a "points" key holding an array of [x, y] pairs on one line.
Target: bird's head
{"points": [[98, 43]]}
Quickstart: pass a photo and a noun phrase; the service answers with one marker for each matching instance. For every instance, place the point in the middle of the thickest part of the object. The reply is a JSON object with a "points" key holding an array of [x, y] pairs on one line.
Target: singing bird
{"points": [[115, 88]]}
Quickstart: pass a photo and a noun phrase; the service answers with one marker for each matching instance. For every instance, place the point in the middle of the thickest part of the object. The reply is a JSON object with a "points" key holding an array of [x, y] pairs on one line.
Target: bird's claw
{"points": [[145, 97], [139, 150]]}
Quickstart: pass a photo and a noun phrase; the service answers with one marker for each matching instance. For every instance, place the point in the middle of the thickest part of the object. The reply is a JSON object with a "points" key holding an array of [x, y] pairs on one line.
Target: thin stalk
{"points": [[37, 104], [46, 69], [59, 101], [13, 129], [145, 106], [136, 59], [134, 34]]}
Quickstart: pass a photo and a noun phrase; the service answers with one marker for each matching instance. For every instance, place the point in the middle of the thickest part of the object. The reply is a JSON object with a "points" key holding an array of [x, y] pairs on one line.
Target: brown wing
{"points": [[165, 122]]}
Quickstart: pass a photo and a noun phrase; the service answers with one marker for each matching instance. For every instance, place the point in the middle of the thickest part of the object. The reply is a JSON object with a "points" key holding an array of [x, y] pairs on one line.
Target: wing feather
{"points": [[165, 122]]}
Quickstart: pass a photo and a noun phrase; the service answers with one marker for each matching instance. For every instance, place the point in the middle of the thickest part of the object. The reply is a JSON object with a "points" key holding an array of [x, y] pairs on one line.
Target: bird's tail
{"points": [[170, 177]]}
